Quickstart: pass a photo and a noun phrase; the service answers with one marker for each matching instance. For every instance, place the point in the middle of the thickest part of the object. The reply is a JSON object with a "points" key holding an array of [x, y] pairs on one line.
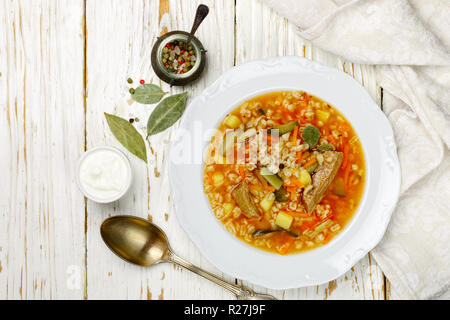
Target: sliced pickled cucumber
{"points": [[273, 179], [285, 128], [325, 147], [312, 168], [281, 195]]}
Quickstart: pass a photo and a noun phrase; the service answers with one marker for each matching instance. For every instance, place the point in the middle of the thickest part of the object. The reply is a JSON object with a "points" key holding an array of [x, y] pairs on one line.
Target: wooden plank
{"points": [[118, 47], [262, 33], [390, 294], [179, 283], [41, 117]]}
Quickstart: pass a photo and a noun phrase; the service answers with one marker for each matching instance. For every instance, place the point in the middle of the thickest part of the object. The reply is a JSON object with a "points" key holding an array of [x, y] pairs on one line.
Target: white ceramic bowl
{"points": [[233, 256], [129, 175]]}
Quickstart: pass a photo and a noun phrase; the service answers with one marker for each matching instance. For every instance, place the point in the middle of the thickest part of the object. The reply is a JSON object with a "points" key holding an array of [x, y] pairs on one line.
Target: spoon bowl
{"points": [[135, 240]]}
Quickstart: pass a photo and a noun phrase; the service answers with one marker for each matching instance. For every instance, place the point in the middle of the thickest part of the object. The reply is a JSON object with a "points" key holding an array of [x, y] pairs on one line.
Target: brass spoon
{"points": [[141, 242]]}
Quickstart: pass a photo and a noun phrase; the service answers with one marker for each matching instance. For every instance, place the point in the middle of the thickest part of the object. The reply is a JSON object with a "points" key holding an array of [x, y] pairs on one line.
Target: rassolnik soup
{"points": [[284, 172]]}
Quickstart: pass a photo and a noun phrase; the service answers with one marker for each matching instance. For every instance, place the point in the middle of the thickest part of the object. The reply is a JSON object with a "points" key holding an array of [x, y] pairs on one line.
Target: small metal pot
{"points": [[171, 78]]}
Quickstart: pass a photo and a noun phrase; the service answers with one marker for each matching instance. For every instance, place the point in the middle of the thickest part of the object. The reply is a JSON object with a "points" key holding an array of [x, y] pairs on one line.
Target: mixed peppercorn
{"points": [[177, 58]]}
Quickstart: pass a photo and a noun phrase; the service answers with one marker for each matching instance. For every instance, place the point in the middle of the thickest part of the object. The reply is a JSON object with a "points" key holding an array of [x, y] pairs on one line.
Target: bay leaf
{"points": [[166, 113], [127, 135], [148, 94], [311, 135]]}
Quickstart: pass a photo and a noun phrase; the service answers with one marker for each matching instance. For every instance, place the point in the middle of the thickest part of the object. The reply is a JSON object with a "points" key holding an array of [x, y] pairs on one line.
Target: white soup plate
{"points": [[233, 256]]}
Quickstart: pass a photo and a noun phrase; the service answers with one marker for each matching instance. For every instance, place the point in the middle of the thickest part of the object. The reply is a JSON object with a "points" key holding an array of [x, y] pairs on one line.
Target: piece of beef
{"points": [[243, 198], [322, 179]]}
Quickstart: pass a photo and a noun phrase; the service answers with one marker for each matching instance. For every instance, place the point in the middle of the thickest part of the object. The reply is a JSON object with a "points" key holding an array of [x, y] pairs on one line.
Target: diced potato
{"points": [[266, 204], [304, 177], [218, 179], [232, 121], [228, 207], [339, 187], [322, 115], [284, 220]]}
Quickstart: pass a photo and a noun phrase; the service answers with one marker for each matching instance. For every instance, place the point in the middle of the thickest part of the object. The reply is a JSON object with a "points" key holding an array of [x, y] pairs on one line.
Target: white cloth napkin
{"points": [[409, 43]]}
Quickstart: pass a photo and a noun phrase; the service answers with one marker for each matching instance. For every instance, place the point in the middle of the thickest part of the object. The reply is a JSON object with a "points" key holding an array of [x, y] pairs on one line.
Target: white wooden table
{"points": [[65, 62]]}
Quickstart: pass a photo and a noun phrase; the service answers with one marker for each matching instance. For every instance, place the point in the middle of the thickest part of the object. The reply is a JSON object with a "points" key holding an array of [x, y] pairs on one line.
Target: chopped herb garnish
{"points": [[311, 135]]}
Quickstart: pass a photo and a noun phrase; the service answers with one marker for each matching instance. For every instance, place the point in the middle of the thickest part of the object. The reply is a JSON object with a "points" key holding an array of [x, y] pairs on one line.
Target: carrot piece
{"points": [[308, 224], [271, 139], [297, 182], [242, 172], [299, 156], [269, 188], [288, 244], [297, 214], [292, 191], [309, 162], [330, 138], [346, 176], [345, 150], [294, 136], [210, 175]]}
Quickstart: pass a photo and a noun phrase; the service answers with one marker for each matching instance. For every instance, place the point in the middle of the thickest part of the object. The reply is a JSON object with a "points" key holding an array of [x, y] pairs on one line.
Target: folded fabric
{"points": [[409, 44]]}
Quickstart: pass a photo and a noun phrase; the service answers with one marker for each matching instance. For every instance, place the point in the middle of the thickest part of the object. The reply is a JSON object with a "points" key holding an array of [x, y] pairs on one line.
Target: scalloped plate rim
{"points": [[310, 67]]}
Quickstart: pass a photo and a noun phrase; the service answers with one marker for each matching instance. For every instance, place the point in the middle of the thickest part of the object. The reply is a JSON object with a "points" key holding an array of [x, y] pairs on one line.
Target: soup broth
{"points": [[284, 172]]}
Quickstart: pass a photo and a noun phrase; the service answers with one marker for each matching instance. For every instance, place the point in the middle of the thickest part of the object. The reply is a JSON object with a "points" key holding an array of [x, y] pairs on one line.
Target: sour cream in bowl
{"points": [[104, 174]]}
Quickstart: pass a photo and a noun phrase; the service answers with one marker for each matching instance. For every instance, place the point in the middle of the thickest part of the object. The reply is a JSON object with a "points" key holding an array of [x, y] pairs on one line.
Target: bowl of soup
{"points": [[284, 173]]}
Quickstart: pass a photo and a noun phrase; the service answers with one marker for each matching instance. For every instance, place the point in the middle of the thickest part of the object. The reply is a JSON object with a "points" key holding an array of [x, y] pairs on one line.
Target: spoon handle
{"points": [[241, 293], [200, 15]]}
